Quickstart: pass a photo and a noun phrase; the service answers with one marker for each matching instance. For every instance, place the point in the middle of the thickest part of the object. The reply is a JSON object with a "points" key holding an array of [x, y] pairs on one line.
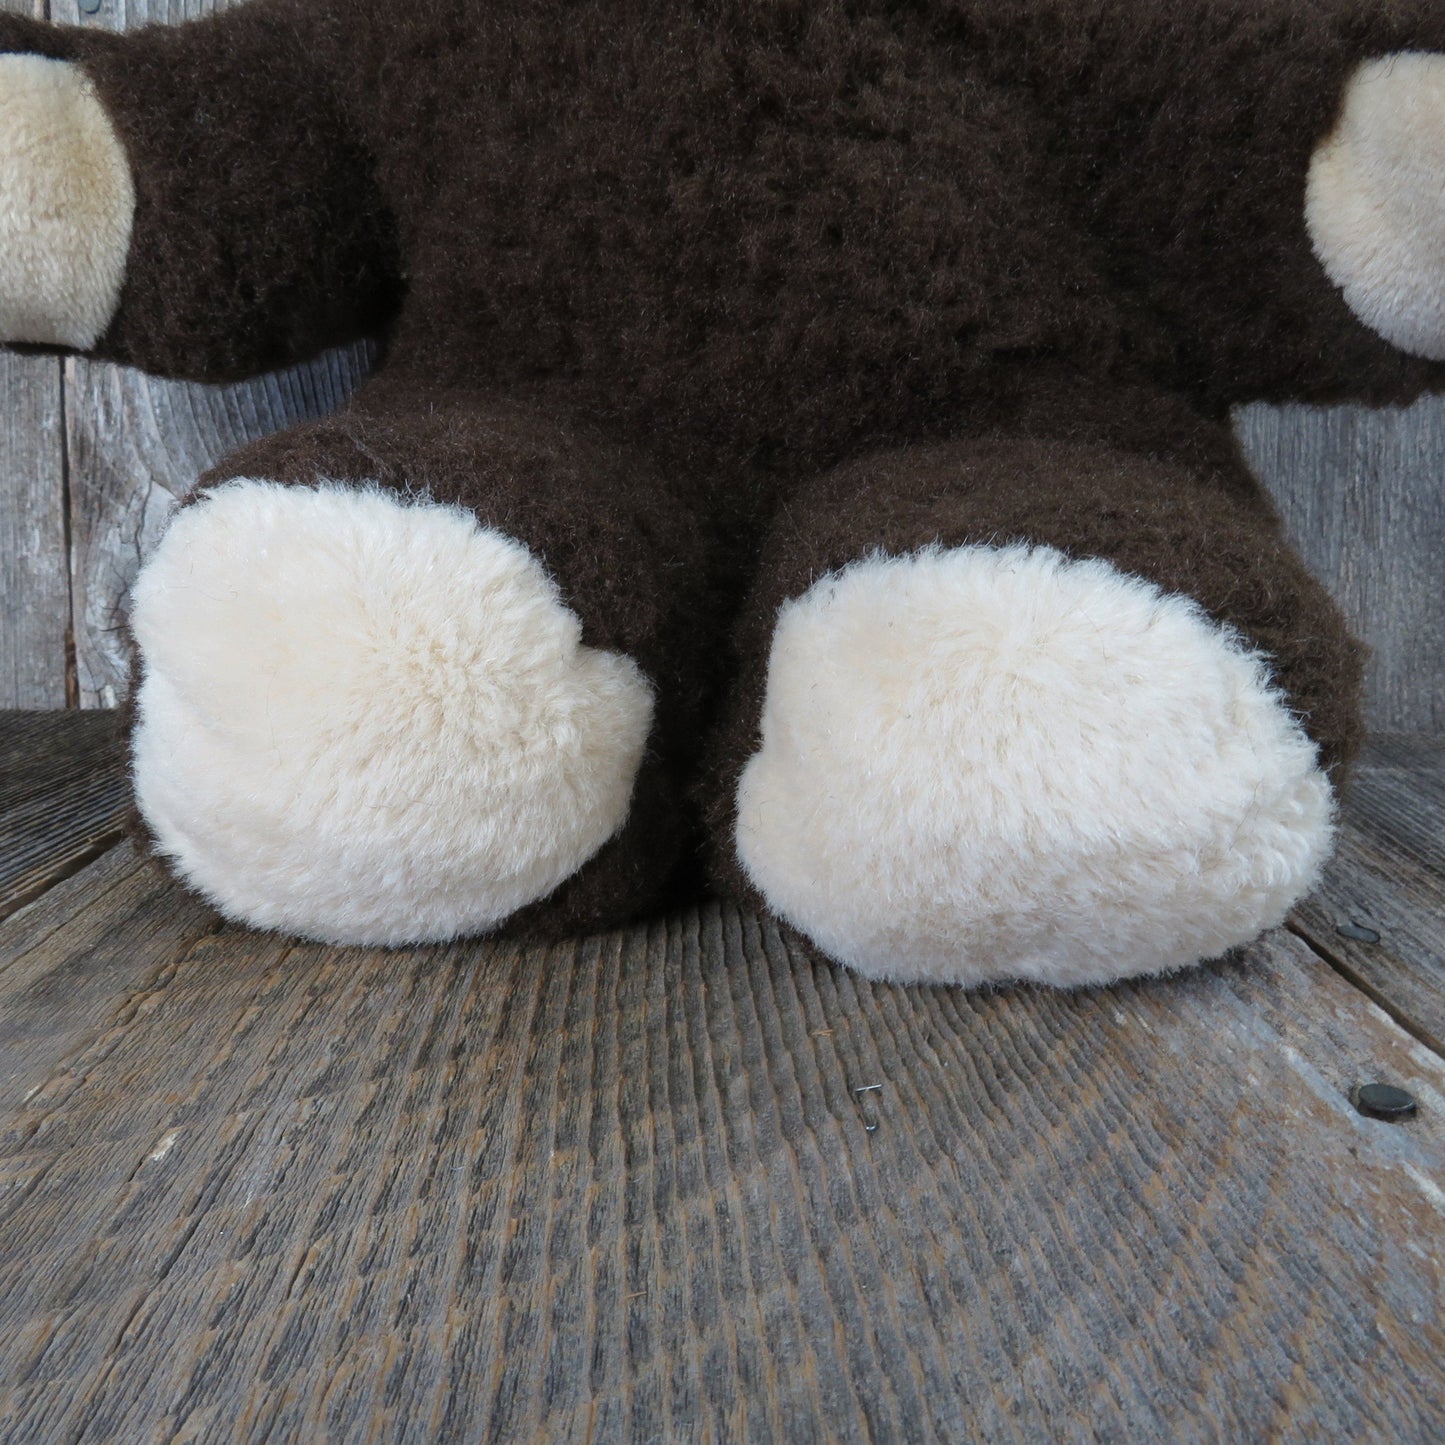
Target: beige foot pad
{"points": [[990, 764], [368, 720]]}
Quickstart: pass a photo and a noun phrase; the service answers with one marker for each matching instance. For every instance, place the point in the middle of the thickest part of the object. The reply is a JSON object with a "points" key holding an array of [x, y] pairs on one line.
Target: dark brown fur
{"points": [[667, 286]]}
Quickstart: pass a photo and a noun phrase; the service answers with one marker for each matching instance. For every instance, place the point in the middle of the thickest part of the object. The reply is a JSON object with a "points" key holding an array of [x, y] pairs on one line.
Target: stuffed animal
{"points": [[798, 462]]}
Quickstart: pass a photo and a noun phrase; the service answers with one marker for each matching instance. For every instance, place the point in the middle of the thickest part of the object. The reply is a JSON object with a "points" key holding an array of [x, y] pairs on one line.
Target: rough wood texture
{"points": [[1363, 496], [34, 588], [626, 1189], [64, 789], [1389, 877], [69, 964]]}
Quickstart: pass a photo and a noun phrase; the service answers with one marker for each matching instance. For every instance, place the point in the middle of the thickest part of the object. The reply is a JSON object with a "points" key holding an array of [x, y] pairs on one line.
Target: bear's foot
{"points": [[364, 720], [988, 764]]}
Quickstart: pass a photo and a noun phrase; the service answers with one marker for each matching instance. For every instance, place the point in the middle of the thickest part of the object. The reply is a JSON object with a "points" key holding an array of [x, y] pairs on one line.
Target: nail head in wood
{"points": [[1384, 1101], [1358, 931]]}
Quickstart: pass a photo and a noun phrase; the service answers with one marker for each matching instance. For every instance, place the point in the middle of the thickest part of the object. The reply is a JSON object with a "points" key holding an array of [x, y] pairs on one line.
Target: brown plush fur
{"points": [[663, 284]]}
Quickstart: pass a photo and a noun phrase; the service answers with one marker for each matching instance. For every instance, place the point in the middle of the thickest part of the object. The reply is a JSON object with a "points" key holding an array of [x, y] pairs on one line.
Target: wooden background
{"points": [[91, 456], [688, 1183]]}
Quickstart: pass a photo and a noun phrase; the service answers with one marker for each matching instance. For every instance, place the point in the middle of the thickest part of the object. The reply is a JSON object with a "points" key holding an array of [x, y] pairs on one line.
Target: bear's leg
{"points": [[1031, 710], [427, 668]]}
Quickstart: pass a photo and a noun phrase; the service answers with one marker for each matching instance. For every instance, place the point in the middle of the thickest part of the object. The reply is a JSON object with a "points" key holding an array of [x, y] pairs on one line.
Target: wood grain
{"points": [[34, 588], [1363, 498], [65, 969], [623, 1189], [64, 791], [1388, 876]]}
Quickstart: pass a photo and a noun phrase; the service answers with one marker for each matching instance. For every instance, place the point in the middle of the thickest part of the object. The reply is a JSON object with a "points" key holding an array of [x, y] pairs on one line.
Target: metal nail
{"points": [[1358, 931], [1383, 1101]]}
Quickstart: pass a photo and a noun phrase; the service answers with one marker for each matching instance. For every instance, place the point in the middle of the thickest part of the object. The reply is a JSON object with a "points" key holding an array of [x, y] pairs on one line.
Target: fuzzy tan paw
{"points": [[66, 205], [368, 721], [980, 765], [1376, 201]]}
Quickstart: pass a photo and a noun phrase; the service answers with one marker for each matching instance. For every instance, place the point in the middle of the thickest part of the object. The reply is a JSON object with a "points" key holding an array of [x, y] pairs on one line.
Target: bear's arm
{"points": [[192, 200]]}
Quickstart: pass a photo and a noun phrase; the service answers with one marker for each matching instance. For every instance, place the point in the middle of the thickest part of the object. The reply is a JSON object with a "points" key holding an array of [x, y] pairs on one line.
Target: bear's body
{"points": [[741, 333], [771, 232]]}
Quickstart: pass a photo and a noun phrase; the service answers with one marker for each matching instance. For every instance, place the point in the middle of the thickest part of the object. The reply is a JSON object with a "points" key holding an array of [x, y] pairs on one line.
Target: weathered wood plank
{"points": [[64, 790], [624, 1189], [1388, 876], [34, 565], [28, 927], [1363, 498], [78, 967]]}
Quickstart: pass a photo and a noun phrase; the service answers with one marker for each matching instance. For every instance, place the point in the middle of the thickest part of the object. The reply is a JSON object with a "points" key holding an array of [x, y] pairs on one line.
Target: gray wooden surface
{"points": [[1363, 497], [90, 458], [626, 1188], [1379, 914], [64, 793]]}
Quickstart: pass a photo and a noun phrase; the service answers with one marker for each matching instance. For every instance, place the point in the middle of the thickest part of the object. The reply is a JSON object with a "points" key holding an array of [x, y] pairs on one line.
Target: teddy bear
{"points": [[798, 463]]}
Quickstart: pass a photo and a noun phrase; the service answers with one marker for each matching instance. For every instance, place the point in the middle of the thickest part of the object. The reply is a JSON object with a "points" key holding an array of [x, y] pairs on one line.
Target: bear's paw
{"points": [[364, 719], [985, 764]]}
